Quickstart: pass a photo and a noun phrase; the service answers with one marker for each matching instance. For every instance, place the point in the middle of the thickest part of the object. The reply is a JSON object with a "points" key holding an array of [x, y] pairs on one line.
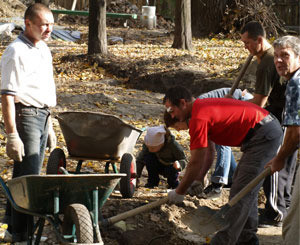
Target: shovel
{"points": [[241, 74], [130, 213], [207, 221]]}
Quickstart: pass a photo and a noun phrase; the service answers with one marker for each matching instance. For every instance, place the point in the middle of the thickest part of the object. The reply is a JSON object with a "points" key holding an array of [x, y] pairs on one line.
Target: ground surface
{"points": [[129, 83]]}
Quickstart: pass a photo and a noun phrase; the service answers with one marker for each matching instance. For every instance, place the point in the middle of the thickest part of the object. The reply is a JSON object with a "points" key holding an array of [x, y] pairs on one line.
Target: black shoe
{"points": [[213, 191], [265, 222], [150, 186], [174, 185], [253, 241], [228, 186], [261, 211]]}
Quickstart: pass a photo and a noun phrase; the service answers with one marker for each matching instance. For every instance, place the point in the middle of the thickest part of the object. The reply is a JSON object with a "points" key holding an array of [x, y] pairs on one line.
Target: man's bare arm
{"points": [[259, 100], [8, 110], [290, 143], [196, 168]]}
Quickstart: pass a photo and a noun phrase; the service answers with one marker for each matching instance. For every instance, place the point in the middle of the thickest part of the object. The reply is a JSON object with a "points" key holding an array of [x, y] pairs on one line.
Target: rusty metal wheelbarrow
{"points": [[76, 198], [101, 137]]}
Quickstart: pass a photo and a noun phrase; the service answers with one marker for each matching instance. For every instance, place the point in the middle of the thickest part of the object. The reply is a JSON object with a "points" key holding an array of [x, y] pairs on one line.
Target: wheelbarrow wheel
{"points": [[56, 160], [78, 216], [128, 182]]}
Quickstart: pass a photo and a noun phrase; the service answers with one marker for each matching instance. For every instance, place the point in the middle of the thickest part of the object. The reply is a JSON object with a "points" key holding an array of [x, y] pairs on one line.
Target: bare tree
{"points": [[228, 16], [97, 43], [242, 11], [183, 31], [207, 16]]}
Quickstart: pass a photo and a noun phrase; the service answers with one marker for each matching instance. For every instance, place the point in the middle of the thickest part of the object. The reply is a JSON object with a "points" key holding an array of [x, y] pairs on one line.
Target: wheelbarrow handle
{"points": [[133, 212], [7, 192], [249, 187], [241, 74]]}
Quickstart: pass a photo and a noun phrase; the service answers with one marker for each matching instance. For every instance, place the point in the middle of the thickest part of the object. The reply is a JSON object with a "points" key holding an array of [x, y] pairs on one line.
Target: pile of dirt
{"points": [[10, 8], [138, 107], [140, 77]]}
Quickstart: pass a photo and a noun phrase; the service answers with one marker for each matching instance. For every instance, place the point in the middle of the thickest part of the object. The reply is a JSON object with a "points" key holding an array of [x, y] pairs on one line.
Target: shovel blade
{"points": [[205, 221]]}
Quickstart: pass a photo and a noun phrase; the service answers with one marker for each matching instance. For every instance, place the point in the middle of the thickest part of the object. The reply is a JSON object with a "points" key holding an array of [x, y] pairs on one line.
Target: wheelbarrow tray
{"points": [[97, 135], [35, 193]]}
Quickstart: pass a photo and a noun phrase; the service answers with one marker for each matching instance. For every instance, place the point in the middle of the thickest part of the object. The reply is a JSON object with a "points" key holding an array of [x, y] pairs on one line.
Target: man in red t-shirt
{"points": [[233, 123]]}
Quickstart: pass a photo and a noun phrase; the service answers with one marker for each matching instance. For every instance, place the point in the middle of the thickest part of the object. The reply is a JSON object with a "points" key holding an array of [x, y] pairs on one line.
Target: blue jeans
{"points": [[225, 165], [33, 130]]}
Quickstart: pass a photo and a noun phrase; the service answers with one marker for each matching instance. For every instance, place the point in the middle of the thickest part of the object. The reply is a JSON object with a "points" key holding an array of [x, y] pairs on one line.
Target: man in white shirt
{"points": [[27, 93]]}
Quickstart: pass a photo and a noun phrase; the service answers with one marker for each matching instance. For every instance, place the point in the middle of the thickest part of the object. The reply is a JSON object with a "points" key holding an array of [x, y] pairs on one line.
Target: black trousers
{"points": [[156, 168], [278, 186], [278, 190]]}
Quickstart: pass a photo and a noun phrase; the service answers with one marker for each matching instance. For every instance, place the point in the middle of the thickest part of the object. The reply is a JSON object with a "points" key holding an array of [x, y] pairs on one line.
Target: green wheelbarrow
{"points": [[76, 198], [99, 137]]}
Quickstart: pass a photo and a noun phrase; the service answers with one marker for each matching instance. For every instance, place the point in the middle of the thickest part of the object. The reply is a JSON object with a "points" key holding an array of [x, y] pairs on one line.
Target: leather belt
{"points": [[20, 106], [264, 121]]}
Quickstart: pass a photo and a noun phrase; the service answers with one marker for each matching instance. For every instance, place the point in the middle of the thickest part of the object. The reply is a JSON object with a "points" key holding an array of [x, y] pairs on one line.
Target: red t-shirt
{"points": [[223, 121]]}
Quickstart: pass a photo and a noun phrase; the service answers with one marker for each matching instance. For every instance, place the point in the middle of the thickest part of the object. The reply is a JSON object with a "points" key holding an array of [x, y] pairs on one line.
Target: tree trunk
{"points": [[46, 2], [183, 31], [97, 43], [207, 16]]}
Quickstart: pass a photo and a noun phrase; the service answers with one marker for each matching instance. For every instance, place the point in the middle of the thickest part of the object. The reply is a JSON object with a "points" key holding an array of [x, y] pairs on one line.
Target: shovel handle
{"points": [[135, 211], [241, 74], [249, 187]]}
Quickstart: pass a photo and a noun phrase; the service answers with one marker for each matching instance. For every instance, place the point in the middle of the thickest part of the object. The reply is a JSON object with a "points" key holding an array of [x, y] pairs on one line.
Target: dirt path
{"points": [[131, 88], [162, 225]]}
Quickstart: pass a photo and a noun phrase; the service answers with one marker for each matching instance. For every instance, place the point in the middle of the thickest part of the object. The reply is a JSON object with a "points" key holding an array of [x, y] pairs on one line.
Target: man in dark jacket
{"points": [[270, 93]]}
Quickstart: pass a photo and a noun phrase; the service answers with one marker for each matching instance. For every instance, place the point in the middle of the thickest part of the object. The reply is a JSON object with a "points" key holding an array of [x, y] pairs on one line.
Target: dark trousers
{"points": [[242, 219], [155, 168], [278, 187], [33, 130]]}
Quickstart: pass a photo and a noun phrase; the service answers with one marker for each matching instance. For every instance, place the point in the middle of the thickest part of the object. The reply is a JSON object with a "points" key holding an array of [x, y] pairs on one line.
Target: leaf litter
{"points": [[107, 84]]}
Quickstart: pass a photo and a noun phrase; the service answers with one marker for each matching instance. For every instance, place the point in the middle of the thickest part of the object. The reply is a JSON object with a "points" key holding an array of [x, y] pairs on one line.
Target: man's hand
{"points": [[276, 164], [174, 197], [51, 141], [196, 188], [228, 96], [15, 147]]}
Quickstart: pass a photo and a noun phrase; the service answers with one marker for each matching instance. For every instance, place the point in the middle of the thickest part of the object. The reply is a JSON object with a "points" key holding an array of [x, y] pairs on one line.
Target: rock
{"points": [[114, 40], [121, 225]]}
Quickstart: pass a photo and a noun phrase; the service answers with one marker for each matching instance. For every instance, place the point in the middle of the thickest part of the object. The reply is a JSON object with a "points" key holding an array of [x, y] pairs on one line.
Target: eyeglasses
{"points": [[169, 110]]}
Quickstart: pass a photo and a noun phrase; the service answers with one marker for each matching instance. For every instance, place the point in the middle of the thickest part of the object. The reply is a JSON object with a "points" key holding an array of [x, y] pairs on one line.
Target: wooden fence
{"points": [[289, 12]]}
